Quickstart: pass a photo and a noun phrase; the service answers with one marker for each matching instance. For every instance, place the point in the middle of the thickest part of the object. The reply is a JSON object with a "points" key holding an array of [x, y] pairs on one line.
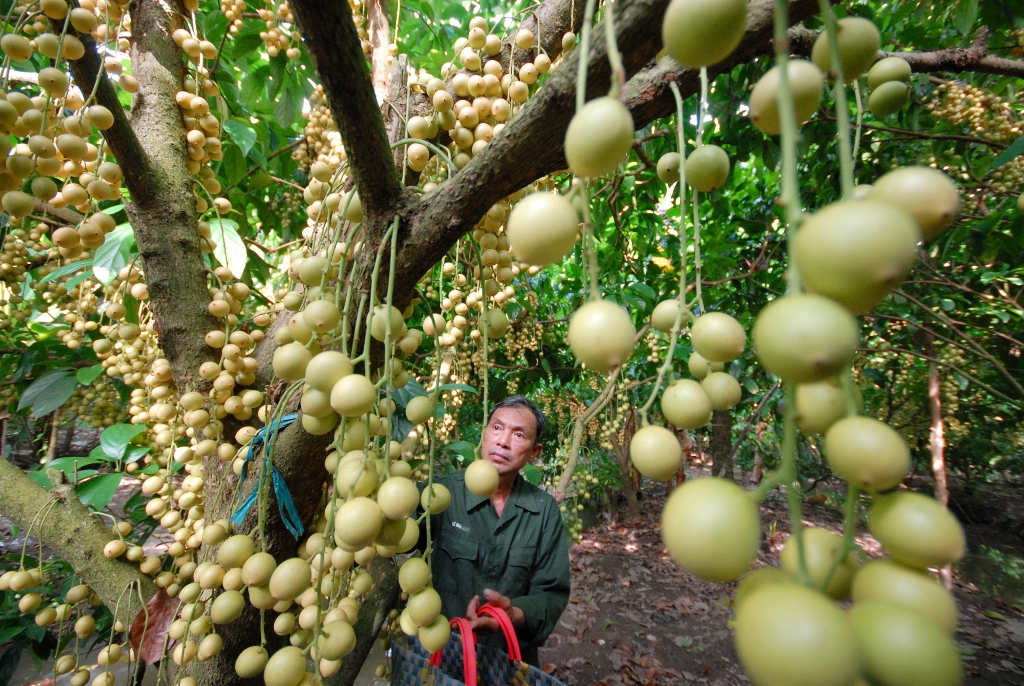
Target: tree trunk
{"points": [[51, 443], [67, 443], [721, 444], [937, 442], [625, 471]]}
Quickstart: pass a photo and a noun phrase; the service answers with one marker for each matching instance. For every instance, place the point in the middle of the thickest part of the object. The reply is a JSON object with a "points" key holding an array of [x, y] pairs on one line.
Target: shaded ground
{"points": [[636, 618]]}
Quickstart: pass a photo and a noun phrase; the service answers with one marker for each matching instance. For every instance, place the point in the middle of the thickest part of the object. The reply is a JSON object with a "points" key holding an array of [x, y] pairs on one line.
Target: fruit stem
{"points": [[788, 474], [839, 95], [577, 434], [614, 57], [583, 59], [860, 122], [702, 106], [850, 389], [849, 529], [790, 196], [588, 242], [483, 333], [373, 295]]}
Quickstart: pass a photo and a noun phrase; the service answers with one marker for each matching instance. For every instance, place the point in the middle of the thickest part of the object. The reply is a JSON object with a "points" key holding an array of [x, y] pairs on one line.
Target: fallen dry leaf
{"points": [[149, 628]]}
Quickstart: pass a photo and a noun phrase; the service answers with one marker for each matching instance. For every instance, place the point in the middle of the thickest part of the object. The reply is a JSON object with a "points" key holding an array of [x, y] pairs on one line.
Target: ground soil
{"points": [[635, 617]]}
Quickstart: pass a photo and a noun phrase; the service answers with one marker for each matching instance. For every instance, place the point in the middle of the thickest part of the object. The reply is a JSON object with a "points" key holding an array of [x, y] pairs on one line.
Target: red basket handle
{"points": [[505, 623], [468, 650]]}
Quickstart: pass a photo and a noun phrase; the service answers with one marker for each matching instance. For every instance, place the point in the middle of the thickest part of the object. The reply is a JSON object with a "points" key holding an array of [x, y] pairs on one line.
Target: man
{"points": [[509, 549]]}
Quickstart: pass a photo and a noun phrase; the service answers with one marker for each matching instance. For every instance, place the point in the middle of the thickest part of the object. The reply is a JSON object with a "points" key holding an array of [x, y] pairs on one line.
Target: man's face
{"points": [[509, 439]]}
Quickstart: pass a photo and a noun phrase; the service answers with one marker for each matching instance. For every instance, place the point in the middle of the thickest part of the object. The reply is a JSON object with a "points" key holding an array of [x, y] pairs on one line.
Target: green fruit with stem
{"points": [[700, 367], [807, 84], [665, 314], [889, 98], [867, 452], [686, 404], [920, 592], [718, 337], [819, 405], [599, 137], [859, 41], [916, 530], [601, 335], [707, 168], [543, 228], [656, 453], [805, 338], [723, 390], [668, 167], [929, 195], [900, 647], [699, 33], [821, 550], [888, 69]]}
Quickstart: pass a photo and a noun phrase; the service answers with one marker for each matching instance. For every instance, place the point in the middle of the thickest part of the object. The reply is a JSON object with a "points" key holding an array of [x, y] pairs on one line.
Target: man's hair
{"points": [[523, 401]]}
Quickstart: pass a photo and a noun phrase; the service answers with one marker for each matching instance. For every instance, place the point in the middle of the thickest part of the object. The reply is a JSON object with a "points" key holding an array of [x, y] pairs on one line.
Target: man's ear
{"points": [[536, 451]]}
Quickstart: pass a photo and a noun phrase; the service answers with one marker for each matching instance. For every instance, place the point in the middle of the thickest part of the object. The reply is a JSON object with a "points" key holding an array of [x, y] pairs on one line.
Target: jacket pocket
{"points": [[461, 553]]}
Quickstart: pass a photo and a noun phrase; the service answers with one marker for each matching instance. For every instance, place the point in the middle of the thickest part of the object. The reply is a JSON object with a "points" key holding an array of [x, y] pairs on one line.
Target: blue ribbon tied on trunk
{"points": [[264, 440]]}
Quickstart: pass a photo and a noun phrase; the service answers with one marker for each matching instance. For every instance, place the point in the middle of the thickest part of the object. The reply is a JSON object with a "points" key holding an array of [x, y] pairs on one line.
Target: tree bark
{"points": [[75, 534], [721, 444], [937, 443]]}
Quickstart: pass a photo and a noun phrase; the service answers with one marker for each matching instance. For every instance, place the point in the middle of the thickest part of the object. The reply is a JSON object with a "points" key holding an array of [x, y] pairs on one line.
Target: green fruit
{"points": [[889, 98], [927, 194], [718, 337], [699, 33], [902, 648], [668, 167], [419, 409], [357, 523], [434, 636], [311, 270], [887, 581], [700, 367], [711, 528], [398, 498], [286, 667], [289, 579], [410, 537], [251, 662], [888, 69], [805, 338], [867, 452], [665, 314], [759, 578], [353, 395], [226, 607], [723, 390], [235, 551], [601, 335], [481, 478], [321, 316], [542, 228], [707, 168], [916, 530], [858, 41], [599, 137], [316, 403], [18, 204], [820, 405], [807, 85], [686, 404], [379, 324], [290, 361], [821, 550], [414, 575], [497, 323], [788, 635], [424, 606], [855, 251], [656, 453]]}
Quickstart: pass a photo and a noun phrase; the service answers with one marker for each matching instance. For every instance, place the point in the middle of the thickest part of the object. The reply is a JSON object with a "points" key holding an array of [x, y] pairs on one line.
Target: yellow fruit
{"points": [[353, 395], [286, 667], [759, 578], [316, 403], [379, 324], [290, 361], [927, 194], [226, 607], [338, 642], [668, 167], [686, 404], [18, 204], [819, 405], [357, 523], [723, 390], [321, 316], [414, 575], [916, 530], [821, 550], [435, 635], [16, 46], [887, 581], [711, 528], [289, 579], [424, 606], [902, 647], [326, 369], [855, 251], [888, 69], [700, 366], [409, 538], [707, 168], [859, 41], [53, 81], [718, 337], [807, 85], [805, 338], [419, 409], [542, 229], [481, 478], [356, 475], [700, 33], [601, 335], [788, 634], [235, 551], [889, 98], [656, 453], [664, 316], [867, 452], [251, 661], [258, 569], [599, 137], [398, 498], [439, 501]]}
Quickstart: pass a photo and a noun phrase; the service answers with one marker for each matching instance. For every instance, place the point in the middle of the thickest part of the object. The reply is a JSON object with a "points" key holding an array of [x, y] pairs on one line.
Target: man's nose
{"points": [[504, 438]]}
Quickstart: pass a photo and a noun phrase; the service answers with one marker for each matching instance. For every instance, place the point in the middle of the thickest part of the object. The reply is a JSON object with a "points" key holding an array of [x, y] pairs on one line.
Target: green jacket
{"points": [[523, 555]]}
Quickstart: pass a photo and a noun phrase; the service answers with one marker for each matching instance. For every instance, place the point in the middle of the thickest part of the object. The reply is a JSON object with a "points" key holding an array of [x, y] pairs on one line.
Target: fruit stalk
{"points": [[583, 59], [790, 196], [614, 57], [849, 529], [839, 95], [860, 121]]}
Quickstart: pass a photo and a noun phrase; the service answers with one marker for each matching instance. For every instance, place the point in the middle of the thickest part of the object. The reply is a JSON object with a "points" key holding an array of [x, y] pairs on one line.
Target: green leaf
{"points": [[113, 254], [645, 290], [532, 474], [459, 387], [65, 270], [1016, 148], [77, 279], [131, 306], [966, 15], [86, 375], [115, 438], [244, 136], [98, 491], [407, 392], [49, 391], [135, 453], [230, 250], [233, 165]]}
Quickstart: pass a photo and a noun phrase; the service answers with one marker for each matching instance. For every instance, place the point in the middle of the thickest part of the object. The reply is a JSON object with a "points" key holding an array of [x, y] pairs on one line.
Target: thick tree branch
{"points": [[75, 534], [378, 31], [548, 22], [65, 215], [334, 45]]}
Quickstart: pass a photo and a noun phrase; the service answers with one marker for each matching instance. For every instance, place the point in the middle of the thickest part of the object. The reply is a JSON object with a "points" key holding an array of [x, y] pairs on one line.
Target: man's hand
{"points": [[485, 624]]}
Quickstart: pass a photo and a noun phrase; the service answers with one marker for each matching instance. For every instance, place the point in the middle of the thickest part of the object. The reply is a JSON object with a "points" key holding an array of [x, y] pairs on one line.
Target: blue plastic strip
{"points": [[285, 504]]}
